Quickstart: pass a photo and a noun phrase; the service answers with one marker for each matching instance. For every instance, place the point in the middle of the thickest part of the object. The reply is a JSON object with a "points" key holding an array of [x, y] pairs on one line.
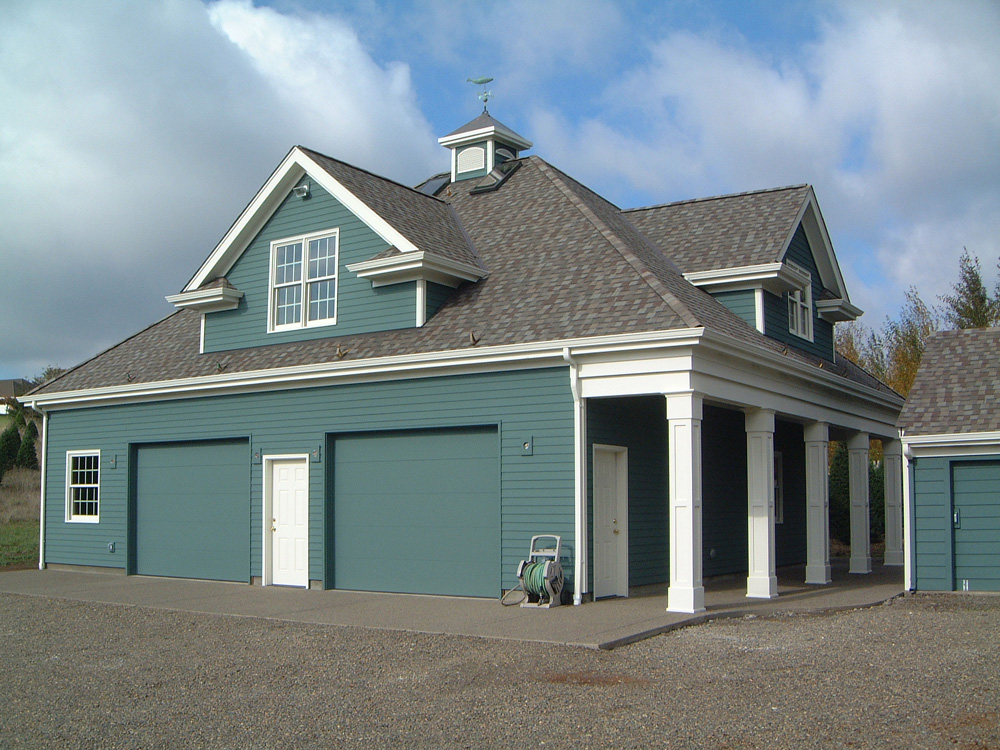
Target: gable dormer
{"points": [[481, 146], [324, 250]]}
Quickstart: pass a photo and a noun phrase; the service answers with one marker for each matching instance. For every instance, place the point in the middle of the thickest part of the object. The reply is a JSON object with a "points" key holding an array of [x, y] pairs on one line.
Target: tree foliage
{"points": [[893, 353], [10, 444], [971, 305], [27, 457]]}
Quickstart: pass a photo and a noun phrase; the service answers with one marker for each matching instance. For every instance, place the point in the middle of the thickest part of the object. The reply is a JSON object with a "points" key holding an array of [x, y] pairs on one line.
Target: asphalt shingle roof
{"points": [[957, 388], [561, 262], [728, 231]]}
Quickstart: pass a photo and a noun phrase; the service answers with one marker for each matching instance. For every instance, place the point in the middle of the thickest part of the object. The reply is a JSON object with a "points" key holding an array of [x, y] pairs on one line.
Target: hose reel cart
{"points": [[541, 575]]}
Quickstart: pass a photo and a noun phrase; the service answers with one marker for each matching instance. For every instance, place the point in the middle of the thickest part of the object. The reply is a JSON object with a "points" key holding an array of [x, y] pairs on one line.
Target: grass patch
{"points": [[19, 544], [19, 495]]}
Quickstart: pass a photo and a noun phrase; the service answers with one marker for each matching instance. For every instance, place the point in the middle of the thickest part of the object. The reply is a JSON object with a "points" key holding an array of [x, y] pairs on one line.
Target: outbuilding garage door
{"points": [[976, 496], [192, 510], [418, 512]]}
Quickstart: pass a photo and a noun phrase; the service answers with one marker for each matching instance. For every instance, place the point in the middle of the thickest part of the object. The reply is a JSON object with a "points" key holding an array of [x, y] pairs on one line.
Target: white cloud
{"points": [[132, 134]]}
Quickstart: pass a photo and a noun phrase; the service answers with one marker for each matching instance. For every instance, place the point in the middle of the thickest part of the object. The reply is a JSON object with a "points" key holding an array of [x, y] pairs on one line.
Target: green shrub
{"points": [[26, 457], [10, 444], [840, 497], [31, 429]]}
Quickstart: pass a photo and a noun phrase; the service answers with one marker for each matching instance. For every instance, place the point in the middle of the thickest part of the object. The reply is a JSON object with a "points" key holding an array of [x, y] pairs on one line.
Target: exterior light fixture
{"points": [[301, 191]]}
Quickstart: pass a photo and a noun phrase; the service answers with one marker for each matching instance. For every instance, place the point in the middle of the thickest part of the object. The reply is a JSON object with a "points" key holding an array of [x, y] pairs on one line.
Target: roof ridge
{"points": [[557, 177], [717, 197], [373, 174]]}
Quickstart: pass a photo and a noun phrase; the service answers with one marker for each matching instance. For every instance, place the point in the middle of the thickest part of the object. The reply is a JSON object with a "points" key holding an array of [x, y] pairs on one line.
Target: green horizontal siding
{"points": [[360, 308], [741, 302], [639, 424], [724, 491], [776, 308], [537, 490]]}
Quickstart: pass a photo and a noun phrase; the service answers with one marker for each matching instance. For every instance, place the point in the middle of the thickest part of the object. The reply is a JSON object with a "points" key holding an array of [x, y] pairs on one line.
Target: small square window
{"points": [[83, 486]]}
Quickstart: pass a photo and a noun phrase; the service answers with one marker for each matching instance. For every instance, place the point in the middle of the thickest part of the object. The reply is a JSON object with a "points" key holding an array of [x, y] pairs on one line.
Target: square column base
{"points": [[861, 565], [818, 574], [686, 599], [762, 587], [893, 557]]}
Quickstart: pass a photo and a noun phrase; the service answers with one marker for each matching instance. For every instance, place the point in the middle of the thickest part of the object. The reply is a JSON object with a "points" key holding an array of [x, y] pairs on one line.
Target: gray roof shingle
{"points": [[562, 263], [957, 388], [728, 231]]}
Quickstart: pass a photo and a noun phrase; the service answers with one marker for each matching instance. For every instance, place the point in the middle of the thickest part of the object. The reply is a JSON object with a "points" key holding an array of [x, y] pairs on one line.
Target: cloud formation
{"points": [[132, 134]]}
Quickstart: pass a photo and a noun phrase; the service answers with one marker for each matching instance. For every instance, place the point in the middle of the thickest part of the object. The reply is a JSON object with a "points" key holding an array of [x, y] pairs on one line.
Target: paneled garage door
{"points": [[418, 512], [192, 510], [976, 519]]}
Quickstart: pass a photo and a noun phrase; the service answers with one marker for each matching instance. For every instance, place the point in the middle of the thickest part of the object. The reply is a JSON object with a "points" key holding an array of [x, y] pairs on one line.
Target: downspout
{"points": [[41, 502], [580, 479], [908, 512]]}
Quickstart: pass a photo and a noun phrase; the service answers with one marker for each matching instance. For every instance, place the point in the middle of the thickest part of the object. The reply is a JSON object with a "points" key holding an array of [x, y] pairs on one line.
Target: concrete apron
{"points": [[604, 624]]}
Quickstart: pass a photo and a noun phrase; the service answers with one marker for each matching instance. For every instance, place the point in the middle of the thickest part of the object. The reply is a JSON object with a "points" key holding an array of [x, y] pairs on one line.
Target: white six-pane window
{"points": [[800, 309], [83, 486], [304, 281]]}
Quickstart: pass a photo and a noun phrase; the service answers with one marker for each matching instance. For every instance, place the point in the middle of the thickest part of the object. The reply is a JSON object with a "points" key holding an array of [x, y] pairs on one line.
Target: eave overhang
{"points": [[776, 278], [951, 444], [502, 135], [207, 300], [837, 310], [419, 265]]}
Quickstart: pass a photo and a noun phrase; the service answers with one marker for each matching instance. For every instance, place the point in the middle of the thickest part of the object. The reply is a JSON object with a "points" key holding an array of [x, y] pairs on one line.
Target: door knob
{"points": [[616, 531]]}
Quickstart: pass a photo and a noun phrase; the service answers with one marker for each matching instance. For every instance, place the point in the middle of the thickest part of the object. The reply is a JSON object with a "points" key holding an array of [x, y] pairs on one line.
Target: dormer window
{"points": [[304, 281], [800, 307]]}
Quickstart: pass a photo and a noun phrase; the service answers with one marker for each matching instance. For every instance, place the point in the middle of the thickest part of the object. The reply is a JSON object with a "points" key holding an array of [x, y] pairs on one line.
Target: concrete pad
{"points": [[603, 624]]}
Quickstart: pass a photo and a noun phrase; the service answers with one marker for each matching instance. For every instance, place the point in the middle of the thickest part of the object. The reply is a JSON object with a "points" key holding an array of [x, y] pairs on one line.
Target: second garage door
{"points": [[418, 512], [192, 510]]}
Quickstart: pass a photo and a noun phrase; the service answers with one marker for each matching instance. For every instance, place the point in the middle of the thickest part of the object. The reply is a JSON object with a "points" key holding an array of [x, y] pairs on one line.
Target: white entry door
{"points": [[289, 516], [610, 521]]}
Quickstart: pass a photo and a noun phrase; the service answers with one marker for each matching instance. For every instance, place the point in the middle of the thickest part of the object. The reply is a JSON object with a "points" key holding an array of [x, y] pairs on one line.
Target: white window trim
{"points": [[304, 281], [801, 302], [70, 518]]}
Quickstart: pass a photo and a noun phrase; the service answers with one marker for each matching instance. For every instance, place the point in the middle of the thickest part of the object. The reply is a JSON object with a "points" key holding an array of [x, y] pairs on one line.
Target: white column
{"points": [[857, 456], [892, 463], [684, 415], [817, 440], [762, 583]]}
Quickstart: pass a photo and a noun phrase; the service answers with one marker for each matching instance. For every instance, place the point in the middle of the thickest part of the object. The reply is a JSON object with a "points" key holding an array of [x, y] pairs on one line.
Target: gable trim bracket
{"points": [[415, 266], [292, 169], [776, 278], [207, 300], [837, 310]]}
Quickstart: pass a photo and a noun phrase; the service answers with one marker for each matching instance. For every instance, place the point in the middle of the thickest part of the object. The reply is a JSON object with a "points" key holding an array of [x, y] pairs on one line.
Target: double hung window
{"points": [[304, 281], [800, 309], [83, 486]]}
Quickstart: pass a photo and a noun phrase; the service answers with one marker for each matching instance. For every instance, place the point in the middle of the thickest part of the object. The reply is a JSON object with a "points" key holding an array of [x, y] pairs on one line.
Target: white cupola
{"points": [[480, 146]]}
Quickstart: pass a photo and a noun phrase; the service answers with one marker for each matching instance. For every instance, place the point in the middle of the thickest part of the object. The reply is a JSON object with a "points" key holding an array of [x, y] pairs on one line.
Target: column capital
{"points": [[816, 432], [859, 441], [892, 447], [759, 420], [684, 405]]}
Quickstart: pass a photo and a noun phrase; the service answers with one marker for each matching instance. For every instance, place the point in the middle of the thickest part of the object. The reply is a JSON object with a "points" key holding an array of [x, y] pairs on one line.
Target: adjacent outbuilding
{"points": [[951, 446]]}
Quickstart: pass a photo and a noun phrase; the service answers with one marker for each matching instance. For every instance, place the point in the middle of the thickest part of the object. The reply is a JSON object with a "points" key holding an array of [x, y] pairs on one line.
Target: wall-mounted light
{"points": [[301, 191]]}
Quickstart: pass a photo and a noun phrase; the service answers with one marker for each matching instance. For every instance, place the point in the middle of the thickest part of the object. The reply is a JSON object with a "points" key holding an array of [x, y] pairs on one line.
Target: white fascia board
{"points": [[291, 170], [837, 310], [207, 300], [822, 246], [482, 134], [774, 277], [950, 444], [478, 359], [413, 266]]}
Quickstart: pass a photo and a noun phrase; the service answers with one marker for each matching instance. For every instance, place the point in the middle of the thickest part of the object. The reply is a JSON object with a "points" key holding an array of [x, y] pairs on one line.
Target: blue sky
{"points": [[133, 134]]}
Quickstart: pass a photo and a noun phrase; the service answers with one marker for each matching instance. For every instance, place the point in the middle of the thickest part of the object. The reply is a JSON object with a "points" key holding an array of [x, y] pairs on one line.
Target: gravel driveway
{"points": [[919, 672]]}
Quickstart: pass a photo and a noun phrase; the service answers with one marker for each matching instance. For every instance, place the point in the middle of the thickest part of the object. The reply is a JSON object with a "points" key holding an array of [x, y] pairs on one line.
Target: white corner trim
{"points": [[421, 298], [294, 166], [758, 309], [414, 266], [207, 300]]}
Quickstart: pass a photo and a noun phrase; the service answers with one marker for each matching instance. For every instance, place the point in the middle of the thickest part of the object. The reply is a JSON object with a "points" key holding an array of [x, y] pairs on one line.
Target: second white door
{"points": [[610, 521], [289, 527]]}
